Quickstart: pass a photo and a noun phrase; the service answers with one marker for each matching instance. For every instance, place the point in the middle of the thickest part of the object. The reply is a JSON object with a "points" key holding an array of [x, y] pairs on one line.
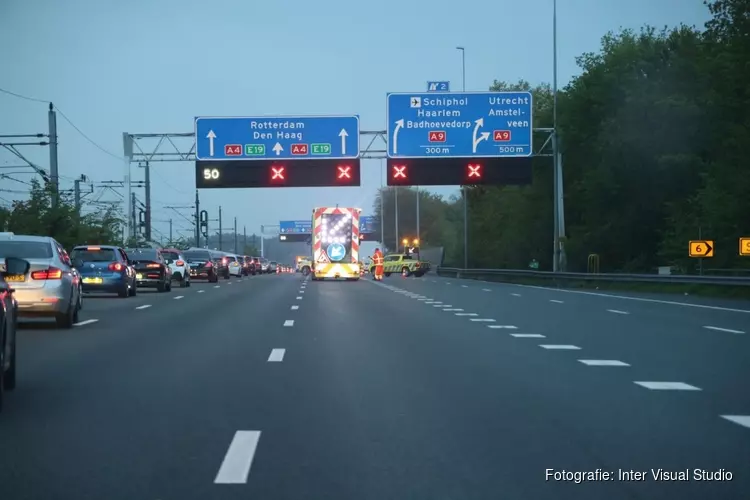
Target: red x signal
{"points": [[278, 173], [399, 171], [475, 171], [345, 172]]}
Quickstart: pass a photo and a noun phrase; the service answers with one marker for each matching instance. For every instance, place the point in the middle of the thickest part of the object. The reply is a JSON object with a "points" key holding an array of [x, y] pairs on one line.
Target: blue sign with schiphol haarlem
{"points": [[295, 227], [276, 137], [438, 86], [459, 124]]}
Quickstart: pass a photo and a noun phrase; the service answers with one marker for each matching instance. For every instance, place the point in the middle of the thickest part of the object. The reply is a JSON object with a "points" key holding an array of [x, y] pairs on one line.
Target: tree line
{"points": [[653, 134]]}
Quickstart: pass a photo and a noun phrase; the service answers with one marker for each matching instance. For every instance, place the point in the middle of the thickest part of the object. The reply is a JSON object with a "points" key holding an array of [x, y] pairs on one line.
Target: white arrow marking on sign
{"points": [[483, 137], [343, 134], [211, 136], [399, 125], [277, 149]]}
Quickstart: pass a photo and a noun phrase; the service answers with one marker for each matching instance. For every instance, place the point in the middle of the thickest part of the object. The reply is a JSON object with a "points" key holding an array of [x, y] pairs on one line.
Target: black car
{"points": [[8, 324], [202, 266], [221, 261], [151, 270]]}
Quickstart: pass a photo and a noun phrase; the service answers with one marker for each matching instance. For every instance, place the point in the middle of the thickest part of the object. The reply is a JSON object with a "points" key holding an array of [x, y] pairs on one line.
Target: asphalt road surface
{"points": [[273, 387]]}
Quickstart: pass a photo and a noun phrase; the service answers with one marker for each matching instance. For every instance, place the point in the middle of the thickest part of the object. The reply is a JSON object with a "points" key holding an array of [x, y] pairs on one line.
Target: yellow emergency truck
{"points": [[335, 243]]}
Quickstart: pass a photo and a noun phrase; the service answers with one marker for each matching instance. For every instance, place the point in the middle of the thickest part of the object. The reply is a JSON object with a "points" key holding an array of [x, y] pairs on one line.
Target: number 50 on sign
{"points": [[701, 248]]}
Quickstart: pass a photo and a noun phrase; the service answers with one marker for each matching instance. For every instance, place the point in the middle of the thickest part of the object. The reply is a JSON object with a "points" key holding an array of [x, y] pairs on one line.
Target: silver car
{"points": [[51, 288]]}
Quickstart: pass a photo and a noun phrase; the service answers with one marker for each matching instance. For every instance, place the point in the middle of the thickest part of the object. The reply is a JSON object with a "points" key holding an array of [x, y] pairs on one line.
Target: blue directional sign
{"points": [[461, 124], [336, 251], [438, 86], [276, 137], [295, 227], [367, 224]]}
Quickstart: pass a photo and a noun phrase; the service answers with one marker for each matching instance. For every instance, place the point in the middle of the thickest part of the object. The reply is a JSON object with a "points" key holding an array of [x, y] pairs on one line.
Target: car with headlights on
{"points": [[51, 287]]}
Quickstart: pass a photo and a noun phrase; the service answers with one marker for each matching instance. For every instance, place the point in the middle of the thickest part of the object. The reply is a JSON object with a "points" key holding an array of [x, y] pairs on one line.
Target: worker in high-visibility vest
{"points": [[377, 259]]}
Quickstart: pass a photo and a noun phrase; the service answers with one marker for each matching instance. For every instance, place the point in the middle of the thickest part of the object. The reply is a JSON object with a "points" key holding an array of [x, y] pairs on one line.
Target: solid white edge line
{"points": [[289, 322], [727, 330], [86, 322], [277, 355], [235, 467]]}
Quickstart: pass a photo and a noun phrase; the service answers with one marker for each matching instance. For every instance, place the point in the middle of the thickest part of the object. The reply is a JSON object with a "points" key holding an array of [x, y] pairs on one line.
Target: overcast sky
{"points": [[152, 66]]}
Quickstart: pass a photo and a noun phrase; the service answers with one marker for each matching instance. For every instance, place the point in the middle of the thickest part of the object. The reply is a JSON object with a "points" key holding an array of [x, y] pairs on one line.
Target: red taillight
{"points": [[153, 266], [52, 273], [224, 261], [116, 266], [179, 263], [209, 264]]}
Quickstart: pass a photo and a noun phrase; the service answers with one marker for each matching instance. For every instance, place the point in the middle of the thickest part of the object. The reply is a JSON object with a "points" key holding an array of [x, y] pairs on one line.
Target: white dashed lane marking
{"points": [[87, 322], [516, 294], [289, 322], [561, 347], [668, 386], [505, 327], [464, 286], [743, 420], [467, 314], [294, 308], [179, 297], [201, 291], [217, 286], [727, 330], [557, 301], [483, 320], [239, 458], [276, 356], [299, 298], [615, 311], [451, 310], [145, 306], [527, 335], [486, 290], [602, 362]]}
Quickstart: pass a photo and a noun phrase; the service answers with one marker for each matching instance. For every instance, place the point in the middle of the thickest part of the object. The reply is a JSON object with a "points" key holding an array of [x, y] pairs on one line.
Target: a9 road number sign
{"points": [[211, 173]]}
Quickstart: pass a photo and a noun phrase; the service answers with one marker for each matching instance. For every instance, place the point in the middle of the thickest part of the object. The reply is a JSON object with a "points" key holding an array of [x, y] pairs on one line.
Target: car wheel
{"points": [[124, 293], [183, 282], [161, 287], [188, 281], [9, 381], [133, 290], [65, 320], [169, 286]]}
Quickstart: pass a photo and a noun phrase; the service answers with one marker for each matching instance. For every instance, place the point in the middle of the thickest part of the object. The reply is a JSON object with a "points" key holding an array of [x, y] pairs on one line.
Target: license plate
{"points": [[93, 281], [139, 276], [15, 278]]}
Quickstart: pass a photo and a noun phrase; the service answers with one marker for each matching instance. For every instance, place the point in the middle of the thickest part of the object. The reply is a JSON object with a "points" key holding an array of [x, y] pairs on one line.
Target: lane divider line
{"points": [[486, 290], [562, 347], [667, 386], [557, 301], [299, 298], [527, 335], [602, 362], [217, 286], [615, 311], [201, 291], [235, 467], [464, 286], [289, 322], [467, 314], [516, 294], [743, 420], [482, 320], [145, 306], [86, 322], [727, 330], [451, 310], [179, 297], [294, 308], [504, 327], [276, 356]]}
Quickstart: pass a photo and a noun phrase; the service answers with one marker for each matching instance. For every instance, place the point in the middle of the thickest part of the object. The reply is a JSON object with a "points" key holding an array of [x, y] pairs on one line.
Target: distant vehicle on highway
{"points": [[151, 270], [233, 262], [104, 269], [9, 324], [51, 288], [178, 264]]}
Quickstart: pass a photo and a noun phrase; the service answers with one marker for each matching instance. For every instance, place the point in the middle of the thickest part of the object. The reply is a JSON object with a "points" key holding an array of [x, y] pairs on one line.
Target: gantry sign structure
{"points": [[432, 138]]}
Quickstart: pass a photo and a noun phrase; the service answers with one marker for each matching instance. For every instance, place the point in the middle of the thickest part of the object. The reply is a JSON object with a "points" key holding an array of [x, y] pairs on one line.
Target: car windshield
{"points": [[273, 263], [231, 258], [172, 256], [26, 249], [142, 254], [197, 256], [93, 255]]}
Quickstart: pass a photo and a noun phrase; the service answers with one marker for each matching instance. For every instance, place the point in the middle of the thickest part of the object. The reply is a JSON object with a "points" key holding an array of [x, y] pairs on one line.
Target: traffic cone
{"points": [[403, 273]]}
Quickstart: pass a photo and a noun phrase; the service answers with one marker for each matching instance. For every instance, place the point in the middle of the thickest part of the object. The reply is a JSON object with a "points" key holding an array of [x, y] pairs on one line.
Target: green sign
{"points": [[255, 149], [321, 149]]}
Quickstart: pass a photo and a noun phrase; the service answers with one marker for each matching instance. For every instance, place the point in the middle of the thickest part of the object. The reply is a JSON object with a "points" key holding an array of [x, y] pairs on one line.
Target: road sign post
{"points": [[701, 248], [745, 246], [276, 137], [459, 125]]}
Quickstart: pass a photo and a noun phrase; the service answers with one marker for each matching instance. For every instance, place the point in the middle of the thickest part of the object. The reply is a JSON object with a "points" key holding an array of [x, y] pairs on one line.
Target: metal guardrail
{"points": [[565, 277]]}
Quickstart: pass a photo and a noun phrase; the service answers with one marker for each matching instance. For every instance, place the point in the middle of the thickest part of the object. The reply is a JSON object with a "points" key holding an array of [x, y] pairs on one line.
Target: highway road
{"points": [[273, 387]]}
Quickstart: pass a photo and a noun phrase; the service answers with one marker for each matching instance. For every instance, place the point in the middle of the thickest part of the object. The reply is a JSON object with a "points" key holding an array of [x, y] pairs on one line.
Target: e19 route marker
{"points": [[459, 124], [276, 137]]}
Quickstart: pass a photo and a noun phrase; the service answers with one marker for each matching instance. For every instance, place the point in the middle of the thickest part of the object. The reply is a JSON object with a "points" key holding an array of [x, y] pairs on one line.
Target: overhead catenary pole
{"points": [[235, 235], [148, 201], [463, 188], [53, 168], [557, 195], [198, 221], [77, 195], [221, 229], [244, 238], [133, 219], [170, 232]]}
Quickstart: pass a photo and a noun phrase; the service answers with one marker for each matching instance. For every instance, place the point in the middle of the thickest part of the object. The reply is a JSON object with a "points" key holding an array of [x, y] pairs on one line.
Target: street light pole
{"points": [[463, 188], [557, 176]]}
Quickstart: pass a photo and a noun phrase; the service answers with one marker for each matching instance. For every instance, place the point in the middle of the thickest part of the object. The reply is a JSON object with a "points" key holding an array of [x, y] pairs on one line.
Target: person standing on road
{"points": [[377, 259]]}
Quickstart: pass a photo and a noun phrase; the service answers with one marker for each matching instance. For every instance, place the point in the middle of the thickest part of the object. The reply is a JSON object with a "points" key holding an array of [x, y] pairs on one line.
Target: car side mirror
{"points": [[14, 265]]}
